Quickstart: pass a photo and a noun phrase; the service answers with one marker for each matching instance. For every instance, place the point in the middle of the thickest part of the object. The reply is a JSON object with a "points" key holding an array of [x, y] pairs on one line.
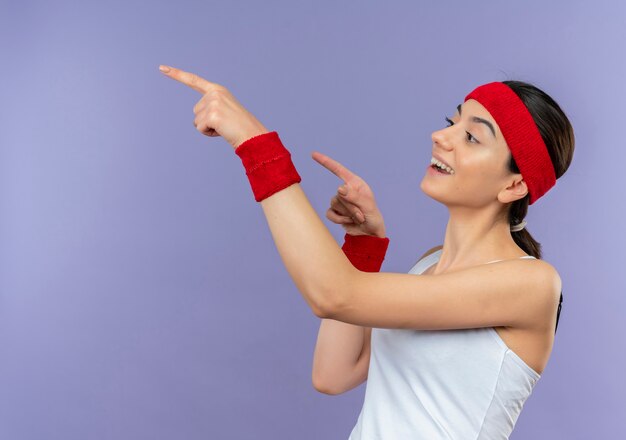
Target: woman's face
{"points": [[473, 146]]}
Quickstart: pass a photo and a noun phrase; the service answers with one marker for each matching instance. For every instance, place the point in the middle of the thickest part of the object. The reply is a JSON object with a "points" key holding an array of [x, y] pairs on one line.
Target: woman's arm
{"points": [[337, 364], [308, 250], [310, 253], [342, 351], [515, 293]]}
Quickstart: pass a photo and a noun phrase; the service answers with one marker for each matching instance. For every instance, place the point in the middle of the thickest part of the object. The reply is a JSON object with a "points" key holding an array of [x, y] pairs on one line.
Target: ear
{"points": [[515, 190]]}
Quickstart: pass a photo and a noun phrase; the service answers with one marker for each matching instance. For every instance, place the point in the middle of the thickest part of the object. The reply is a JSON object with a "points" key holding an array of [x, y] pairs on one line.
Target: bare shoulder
{"points": [[546, 281], [547, 274]]}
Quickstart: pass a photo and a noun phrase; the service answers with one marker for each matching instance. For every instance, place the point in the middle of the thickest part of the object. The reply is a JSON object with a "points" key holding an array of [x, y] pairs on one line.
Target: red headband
{"points": [[521, 134]]}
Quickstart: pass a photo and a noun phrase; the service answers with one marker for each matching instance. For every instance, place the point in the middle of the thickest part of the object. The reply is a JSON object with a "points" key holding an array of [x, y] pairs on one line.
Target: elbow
{"points": [[333, 299], [326, 391], [316, 300], [321, 303], [327, 306], [323, 388], [323, 310]]}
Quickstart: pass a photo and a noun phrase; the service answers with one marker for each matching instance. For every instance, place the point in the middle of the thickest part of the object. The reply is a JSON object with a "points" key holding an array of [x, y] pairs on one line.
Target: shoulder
{"points": [[542, 279], [550, 279], [546, 275]]}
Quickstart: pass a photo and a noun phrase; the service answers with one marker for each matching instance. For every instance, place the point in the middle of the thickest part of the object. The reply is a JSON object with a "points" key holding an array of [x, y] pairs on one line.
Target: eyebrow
{"points": [[477, 119]]}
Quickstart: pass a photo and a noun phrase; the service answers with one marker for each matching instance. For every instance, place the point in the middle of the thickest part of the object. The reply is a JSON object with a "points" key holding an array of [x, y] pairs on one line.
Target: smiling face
{"points": [[473, 146]]}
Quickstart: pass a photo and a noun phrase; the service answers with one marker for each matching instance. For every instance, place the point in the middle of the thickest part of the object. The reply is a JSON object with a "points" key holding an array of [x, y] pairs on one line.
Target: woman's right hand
{"points": [[354, 206]]}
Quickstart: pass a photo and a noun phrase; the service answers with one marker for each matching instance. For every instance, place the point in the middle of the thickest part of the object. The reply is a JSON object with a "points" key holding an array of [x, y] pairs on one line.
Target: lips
{"points": [[440, 159]]}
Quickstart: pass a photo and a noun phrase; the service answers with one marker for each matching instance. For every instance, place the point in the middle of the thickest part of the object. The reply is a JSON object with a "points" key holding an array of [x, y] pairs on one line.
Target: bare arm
{"points": [[510, 293], [342, 353], [341, 358], [339, 348], [309, 252]]}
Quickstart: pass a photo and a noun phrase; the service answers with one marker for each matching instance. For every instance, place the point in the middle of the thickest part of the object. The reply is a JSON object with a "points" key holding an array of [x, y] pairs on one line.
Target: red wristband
{"points": [[365, 252], [268, 164], [269, 169]]}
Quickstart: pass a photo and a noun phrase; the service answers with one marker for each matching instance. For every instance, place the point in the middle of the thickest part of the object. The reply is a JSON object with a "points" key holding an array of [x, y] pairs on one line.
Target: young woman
{"points": [[455, 352]]}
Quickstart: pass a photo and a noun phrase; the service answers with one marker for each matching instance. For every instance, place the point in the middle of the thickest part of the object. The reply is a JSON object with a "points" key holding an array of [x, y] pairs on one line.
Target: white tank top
{"points": [[442, 384]]}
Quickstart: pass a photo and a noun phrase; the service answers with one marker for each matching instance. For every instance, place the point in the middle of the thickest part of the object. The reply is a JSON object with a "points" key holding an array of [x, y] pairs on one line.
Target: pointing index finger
{"points": [[190, 79], [333, 166]]}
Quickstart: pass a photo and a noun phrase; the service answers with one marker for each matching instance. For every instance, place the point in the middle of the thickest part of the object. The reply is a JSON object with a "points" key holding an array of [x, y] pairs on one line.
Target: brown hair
{"points": [[558, 135]]}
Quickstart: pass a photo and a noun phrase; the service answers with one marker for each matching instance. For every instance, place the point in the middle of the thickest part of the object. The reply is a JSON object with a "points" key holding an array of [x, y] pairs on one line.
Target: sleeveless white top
{"points": [[442, 384]]}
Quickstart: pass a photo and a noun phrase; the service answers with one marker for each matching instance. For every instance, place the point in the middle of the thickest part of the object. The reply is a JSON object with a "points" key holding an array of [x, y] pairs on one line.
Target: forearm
{"points": [[310, 253], [318, 267], [337, 350]]}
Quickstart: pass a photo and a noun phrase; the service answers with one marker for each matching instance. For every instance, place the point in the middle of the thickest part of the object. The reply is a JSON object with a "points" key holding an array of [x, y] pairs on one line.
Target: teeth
{"points": [[441, 165]]}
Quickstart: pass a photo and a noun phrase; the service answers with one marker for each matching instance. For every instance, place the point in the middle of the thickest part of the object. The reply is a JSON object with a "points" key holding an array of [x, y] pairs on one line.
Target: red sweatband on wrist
{"points": [[365, 252], [268, 164], [521, 134]]}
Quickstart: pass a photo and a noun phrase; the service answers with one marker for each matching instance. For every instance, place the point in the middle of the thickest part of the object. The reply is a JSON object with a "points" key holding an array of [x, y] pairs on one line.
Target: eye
{"points": [[470, 137]]}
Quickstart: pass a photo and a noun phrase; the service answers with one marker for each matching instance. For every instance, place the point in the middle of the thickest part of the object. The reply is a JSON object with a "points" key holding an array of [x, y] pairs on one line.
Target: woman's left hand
{"points": [[218, 113]]}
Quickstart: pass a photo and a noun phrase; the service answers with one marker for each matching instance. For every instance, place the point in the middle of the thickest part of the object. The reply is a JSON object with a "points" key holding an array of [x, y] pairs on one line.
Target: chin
{"points": [[438, 193], [429, 192]]}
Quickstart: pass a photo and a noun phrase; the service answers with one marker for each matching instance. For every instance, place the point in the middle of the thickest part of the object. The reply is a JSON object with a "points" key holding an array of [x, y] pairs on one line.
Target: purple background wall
{"points": [[142, 296]]}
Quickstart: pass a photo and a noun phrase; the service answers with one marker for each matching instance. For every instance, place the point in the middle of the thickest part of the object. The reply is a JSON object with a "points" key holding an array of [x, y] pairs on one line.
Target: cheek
{"points": [[472, 166], [479, 172]]}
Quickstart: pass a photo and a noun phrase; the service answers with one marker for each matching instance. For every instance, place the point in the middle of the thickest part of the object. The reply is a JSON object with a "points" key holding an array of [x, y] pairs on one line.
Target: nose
{"points": [[441, 137]]}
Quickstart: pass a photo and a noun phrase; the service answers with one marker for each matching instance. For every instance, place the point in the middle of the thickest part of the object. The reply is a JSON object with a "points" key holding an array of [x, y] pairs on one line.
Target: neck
{"points": [[475, 236]]}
